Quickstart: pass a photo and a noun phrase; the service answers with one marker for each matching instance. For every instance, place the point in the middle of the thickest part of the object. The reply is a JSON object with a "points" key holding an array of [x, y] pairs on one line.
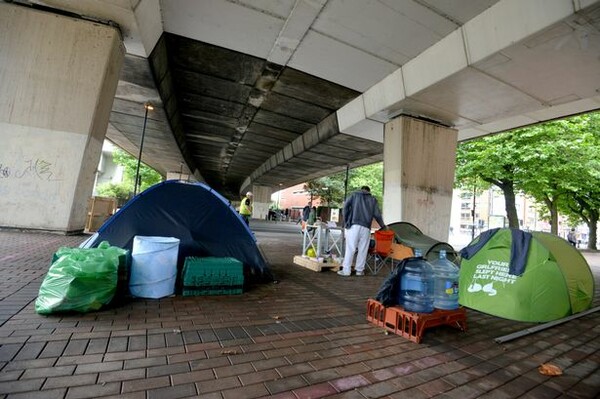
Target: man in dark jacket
{"points": [[305, 215], [359, 211]]}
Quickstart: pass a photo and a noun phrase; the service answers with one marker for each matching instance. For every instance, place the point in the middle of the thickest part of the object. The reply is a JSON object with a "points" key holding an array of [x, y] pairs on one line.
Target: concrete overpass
{"points": [[254, 94]]}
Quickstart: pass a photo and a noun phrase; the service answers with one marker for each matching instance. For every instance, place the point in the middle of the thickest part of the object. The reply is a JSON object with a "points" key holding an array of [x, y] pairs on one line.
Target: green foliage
{"points": [[123, 191], [369, 175], [581, 200], [492, 160], [556, 163], [120, 191], [148, 176], [331, 188], [486, 161]]}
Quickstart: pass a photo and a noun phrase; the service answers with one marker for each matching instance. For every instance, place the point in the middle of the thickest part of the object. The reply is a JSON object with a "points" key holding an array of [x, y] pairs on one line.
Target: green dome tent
{"points": [[554, 281], [409, 235]]}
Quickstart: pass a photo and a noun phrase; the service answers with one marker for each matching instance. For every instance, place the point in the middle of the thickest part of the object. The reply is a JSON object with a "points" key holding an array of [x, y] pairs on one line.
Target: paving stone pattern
{"points": [[303, 337]]}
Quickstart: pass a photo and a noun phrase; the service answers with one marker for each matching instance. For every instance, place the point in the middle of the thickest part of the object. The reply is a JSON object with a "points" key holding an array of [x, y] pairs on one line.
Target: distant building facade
{"points": [[293, 199], [108, 171], [489, 211]]}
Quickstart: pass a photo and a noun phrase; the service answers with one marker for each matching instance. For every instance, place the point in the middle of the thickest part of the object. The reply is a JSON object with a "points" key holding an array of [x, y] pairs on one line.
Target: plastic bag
{"points": [[80, 279]]}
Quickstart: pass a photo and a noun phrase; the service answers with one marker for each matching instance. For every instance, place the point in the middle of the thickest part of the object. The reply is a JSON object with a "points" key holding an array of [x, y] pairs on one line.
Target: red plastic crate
{"points": [[412, 325]]}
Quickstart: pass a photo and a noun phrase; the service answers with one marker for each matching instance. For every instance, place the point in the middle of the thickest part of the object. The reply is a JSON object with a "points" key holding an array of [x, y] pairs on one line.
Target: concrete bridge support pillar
{"points": [[58, 77], [419, 161], [262, 201]]}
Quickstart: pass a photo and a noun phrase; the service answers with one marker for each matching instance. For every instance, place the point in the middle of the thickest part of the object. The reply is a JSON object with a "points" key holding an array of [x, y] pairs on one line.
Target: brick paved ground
{"points": [[305, 337]]}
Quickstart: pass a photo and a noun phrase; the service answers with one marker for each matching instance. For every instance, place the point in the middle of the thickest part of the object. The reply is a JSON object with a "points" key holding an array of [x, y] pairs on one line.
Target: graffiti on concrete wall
{"points": [[28, 169]]}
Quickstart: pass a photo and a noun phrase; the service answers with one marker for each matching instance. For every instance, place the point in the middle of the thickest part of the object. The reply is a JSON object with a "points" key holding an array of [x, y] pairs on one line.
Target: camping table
{"points": [[325, 240]]}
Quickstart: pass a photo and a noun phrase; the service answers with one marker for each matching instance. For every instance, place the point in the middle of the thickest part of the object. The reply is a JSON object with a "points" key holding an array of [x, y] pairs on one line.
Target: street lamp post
{"points": [[137, 183]]}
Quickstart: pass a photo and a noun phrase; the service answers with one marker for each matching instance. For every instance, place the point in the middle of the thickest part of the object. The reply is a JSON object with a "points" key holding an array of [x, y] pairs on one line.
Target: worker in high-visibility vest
{"points": [[246, 207]]}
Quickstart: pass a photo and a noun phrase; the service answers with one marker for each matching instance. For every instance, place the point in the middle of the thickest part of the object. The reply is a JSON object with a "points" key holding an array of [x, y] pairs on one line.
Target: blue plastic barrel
{"points": [[416, 285], [445, 283]]}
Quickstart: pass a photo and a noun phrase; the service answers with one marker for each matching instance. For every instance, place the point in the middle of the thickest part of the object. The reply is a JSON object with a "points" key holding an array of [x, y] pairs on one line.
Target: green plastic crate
{"points": [[212, 276]]}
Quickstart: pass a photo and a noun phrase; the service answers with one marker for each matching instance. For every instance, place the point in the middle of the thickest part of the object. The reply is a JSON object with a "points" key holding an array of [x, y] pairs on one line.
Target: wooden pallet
{"points": [[314, 265], [99, 209]]}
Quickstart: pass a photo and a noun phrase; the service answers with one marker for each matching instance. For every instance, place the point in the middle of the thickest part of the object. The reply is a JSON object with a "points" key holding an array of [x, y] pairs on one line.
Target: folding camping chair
{"points": [[400, 252], [379, 256]]}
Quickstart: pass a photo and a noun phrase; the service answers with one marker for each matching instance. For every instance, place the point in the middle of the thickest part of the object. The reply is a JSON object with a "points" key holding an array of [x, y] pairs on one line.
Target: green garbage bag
{"points": [[80, 279]]}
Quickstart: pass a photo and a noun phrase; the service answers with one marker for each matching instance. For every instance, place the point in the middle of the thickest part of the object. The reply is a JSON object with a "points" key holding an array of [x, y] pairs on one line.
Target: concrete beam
{"points": [[462, 64]]}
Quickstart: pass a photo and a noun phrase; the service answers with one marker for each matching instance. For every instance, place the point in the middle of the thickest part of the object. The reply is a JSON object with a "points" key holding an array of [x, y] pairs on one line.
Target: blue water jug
{"points": [[445, 283], [416, 285]]}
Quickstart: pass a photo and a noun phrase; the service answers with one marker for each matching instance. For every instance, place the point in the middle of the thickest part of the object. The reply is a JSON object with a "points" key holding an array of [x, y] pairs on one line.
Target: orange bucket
{"points": [[383, 241]]}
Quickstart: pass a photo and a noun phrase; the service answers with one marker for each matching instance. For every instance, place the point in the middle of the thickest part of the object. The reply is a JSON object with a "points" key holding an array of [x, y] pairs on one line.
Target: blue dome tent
{"points": [[204, 222]]}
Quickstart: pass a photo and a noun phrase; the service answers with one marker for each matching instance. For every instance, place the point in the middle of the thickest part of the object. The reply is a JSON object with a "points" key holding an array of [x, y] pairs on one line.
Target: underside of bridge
{"points": [[231, 107], [230, 112], [276, 93]]}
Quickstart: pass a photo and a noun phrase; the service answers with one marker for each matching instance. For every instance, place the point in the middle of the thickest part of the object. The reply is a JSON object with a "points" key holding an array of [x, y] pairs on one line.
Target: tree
{"points": [[123, 191], [331, 188], [563, 169], [148, 176], [586, 207], [368, 175], [582, 199], [492, 160], [547, 153], [554, 162], [120, 191]]}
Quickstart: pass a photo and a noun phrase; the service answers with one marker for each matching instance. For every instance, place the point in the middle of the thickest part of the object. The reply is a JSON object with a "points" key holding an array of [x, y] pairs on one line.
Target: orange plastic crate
{"points": [[412, 325]]}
